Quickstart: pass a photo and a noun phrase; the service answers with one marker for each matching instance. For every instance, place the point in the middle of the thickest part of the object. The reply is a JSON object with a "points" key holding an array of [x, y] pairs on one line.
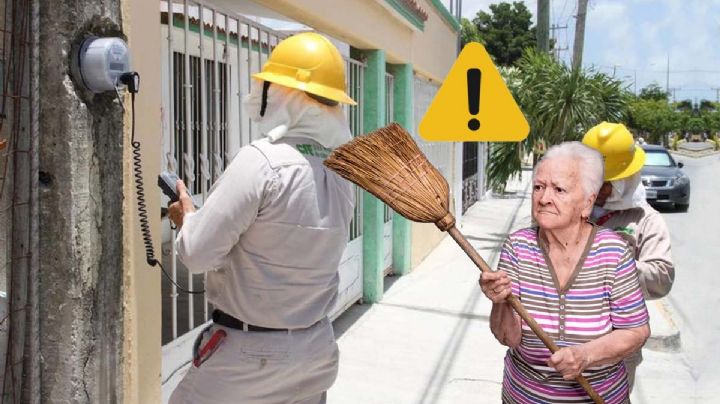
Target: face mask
{"points": [[618, 189]]}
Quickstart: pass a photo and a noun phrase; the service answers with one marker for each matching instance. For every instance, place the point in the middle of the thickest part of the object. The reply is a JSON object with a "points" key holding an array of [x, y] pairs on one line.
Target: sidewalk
{"points": [[428, 341]]}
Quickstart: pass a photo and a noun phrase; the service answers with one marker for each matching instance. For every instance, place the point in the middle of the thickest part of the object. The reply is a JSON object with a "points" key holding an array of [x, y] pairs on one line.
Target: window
{"points": [[200, 151], [658, 158]]}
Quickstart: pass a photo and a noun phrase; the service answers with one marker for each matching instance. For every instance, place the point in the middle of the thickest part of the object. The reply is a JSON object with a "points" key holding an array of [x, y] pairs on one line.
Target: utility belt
{"points": [[226, 320]]}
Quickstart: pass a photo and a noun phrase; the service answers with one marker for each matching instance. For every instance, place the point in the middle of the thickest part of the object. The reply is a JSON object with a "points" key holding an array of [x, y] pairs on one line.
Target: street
{"points": [[690, 376]]}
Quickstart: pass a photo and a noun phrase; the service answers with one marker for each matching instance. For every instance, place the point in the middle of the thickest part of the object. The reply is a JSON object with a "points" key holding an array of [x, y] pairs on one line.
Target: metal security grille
{"points": [[469, 174], [355, 73], [201, 160], [211, 55], [389, 118]]}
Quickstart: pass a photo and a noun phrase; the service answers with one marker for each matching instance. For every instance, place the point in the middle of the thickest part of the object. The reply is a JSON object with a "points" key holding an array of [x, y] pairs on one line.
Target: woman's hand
{"points": [[570, 361], [495, 285]]}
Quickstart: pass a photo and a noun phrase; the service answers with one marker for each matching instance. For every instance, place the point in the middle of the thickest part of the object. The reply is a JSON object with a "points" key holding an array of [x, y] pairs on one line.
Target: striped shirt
{"points": [[601, 295]]}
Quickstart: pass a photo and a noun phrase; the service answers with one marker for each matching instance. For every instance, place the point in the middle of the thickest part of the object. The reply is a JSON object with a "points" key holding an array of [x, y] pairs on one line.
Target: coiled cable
{"points": [[140, 192]]}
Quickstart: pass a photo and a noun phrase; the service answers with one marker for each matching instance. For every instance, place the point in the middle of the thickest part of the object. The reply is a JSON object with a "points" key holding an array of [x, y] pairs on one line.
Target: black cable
{"points": [[140, 190]]}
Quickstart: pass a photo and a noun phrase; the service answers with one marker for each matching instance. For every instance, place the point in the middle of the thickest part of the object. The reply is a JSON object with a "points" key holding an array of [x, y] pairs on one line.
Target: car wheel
{"points": [[682, 207]]}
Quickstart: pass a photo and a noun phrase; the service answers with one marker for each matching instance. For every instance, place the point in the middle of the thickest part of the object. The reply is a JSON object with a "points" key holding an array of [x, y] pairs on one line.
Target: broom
{"points": [[388, 164]]}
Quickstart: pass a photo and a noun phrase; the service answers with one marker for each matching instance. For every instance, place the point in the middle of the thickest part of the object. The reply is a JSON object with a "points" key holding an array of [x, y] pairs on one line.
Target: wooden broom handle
{"points": [[515, 303]]}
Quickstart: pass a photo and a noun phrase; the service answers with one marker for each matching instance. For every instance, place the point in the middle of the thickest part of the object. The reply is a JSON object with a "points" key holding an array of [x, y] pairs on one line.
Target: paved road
{"points": [[691, 376]]}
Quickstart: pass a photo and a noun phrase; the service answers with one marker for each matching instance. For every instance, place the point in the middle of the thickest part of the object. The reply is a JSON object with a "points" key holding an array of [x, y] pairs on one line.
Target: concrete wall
{"points": [[426, 236], [81, 152], [142, 306]]}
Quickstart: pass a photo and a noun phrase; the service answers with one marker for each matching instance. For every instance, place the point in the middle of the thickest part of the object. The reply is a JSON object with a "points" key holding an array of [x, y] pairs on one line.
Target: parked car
{"points": [[665, 182]]}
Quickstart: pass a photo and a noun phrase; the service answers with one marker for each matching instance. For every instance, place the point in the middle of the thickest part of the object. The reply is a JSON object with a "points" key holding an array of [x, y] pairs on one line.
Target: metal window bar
{"points": [[198, 97], [354, 73], [389, 118]]}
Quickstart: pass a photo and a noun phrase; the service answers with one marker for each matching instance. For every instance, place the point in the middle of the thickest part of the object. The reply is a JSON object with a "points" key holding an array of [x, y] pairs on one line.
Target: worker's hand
{"points": [[495, 285], [177, 210], [570, 361]]}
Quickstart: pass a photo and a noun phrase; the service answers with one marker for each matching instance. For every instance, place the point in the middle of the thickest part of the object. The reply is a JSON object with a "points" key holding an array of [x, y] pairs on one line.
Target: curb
{"points": [[664, 334]]}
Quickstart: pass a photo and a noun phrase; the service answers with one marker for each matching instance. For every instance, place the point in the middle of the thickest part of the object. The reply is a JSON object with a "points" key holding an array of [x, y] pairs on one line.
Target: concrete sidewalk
{"points": [[428, 340]]}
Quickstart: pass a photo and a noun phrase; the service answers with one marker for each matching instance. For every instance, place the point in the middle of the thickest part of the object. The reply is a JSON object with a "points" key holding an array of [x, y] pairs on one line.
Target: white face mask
{"points": [[622, 195], [618, 189]]}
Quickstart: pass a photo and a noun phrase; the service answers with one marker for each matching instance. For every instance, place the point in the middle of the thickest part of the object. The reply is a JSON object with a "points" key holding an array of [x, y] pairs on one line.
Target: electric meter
{"points": [[99, 62]]}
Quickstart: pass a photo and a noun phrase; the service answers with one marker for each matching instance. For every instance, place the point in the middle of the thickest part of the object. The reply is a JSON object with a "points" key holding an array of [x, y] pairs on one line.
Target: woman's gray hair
{"points": [[590, 161]]}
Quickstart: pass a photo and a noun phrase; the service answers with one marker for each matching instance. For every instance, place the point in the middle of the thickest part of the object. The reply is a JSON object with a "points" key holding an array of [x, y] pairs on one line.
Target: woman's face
{"points": [[558, 199]]}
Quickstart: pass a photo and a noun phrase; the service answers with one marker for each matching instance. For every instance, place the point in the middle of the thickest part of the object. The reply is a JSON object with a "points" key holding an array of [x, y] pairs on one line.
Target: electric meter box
{"points": [[100, 62]]}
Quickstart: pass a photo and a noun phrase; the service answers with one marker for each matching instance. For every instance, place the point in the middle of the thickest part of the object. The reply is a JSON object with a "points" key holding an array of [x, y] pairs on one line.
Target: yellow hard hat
{"points": [[622, 157], [308, 62]]}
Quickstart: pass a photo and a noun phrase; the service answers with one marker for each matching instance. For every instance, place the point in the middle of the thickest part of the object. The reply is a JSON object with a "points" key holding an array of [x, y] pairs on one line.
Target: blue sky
{"points": [[635, 37]]}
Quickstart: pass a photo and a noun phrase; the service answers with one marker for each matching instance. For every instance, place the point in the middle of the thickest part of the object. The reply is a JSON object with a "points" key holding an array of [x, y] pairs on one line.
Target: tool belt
{"points": [[226, 320]]}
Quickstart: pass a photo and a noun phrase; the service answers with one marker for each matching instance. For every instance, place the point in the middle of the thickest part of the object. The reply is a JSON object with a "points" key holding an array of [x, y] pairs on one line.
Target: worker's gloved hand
{"points": [[177, 210], [495, 285]]}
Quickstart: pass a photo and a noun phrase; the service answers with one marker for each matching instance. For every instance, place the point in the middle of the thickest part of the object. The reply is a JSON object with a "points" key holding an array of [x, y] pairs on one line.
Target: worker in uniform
{"points": [[621, 206], [270, 237]]}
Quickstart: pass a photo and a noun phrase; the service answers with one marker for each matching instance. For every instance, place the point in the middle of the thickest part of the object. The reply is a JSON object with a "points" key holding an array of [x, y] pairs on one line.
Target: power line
{"points": [[660, 71]]}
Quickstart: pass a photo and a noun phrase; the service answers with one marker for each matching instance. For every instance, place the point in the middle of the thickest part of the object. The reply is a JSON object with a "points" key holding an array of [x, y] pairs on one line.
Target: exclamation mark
{"points": [[473, 82]]}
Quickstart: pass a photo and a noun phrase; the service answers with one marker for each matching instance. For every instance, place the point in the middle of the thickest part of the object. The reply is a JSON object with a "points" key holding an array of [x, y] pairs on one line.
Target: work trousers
{"points": [[296, 367]]}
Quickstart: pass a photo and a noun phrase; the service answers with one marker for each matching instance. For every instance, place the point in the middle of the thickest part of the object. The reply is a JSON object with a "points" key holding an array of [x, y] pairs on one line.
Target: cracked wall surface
{"points": [[80, 216]]}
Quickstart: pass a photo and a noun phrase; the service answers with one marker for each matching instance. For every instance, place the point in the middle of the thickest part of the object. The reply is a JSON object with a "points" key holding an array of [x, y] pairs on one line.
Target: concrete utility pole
{"points": [[542, 30], [81, 182], [557, 49], [667, 75], [579, 34]]}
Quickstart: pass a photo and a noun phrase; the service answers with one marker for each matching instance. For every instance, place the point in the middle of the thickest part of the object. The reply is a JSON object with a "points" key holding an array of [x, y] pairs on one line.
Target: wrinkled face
{"points": [[558, 199]]}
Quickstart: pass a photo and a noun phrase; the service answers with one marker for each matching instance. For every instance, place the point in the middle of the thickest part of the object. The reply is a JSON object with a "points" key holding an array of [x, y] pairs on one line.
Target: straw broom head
{"points": [[388, 164]]}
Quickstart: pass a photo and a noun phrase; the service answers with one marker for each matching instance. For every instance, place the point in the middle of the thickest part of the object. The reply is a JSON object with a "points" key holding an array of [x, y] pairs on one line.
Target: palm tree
{"points": [[559, 104]]}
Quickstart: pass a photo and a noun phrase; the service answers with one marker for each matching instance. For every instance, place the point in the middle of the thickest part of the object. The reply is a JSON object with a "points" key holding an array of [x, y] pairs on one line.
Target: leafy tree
{"points": [[708, 106], [684, 106], [654, 117], [468, 32], [559, 105], [506, 31], [654, 92]]}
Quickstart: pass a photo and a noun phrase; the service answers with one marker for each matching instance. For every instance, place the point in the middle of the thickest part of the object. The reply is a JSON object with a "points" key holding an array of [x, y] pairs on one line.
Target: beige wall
{"points": [[142, 350], [367, 24]]}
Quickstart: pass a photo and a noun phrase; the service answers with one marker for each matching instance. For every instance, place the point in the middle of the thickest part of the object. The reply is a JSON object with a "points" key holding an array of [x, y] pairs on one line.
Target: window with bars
{"points": [[201, 150], [354, 113], [389, 118]]}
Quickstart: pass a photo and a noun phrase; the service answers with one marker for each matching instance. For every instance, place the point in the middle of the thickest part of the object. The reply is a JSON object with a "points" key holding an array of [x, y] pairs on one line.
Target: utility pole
{"points": [[717, 91], [557, 49], [542, 31], [579, 35], [667, 74], [673, 92], [635, 81]]}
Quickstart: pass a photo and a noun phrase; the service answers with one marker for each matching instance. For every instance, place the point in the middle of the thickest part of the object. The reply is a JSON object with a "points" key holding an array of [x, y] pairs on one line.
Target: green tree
{"points": [[559, 105], [468, 32], [653, 92], [506, 31], [655, 118]]}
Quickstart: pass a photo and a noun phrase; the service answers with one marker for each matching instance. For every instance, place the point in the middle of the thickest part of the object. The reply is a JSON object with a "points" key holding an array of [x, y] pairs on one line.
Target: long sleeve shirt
{"points": [[271, 235], [647, 234]]}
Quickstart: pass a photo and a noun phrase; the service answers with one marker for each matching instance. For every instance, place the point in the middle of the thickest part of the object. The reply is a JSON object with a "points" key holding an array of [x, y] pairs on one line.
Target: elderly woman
{"points": [[577, 280]]}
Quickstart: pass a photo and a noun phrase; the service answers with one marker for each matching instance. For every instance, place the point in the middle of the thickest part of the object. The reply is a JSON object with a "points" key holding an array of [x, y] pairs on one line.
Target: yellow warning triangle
{"points": [[473, 104]]}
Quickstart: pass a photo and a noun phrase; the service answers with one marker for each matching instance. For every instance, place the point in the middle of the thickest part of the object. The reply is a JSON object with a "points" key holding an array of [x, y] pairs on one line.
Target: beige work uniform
{"points": [[270, 237], [647, 234]]}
